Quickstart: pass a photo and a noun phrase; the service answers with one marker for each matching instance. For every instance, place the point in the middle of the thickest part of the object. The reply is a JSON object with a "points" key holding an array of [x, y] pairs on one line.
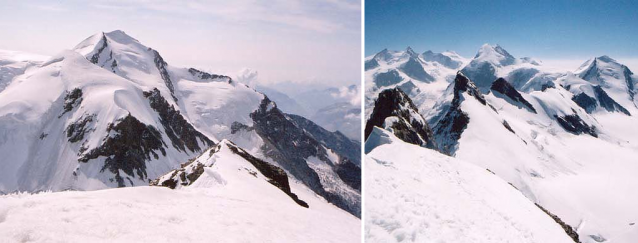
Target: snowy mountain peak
{"points": [[615, 78], [494, 54], [448, 59], [411, 52]]}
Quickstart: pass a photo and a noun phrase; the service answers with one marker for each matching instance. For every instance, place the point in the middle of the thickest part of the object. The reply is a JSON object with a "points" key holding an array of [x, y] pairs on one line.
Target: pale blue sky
{"points": [[559, 30], [284, 40]]}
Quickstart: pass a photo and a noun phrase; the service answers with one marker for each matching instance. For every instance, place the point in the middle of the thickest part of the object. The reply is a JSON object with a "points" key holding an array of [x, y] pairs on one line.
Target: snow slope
{"points": [[415, 194], [565, 140], [14, 63], [224, 212]]}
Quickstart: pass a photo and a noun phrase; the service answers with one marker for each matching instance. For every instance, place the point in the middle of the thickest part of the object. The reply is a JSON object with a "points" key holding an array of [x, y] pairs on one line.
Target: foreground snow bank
{"points": [[415, 194], [158, 214]]}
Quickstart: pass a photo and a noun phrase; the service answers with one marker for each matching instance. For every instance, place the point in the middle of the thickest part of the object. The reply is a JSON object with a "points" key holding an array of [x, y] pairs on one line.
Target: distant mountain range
{"points": [[565, 140]]}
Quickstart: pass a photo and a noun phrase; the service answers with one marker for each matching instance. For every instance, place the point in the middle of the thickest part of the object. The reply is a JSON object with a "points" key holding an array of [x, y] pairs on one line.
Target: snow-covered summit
{"points": [[113, 113]]}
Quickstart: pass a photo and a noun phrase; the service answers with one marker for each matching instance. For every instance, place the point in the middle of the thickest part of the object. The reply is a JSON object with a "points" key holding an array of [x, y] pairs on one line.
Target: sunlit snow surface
{"points": [[230, 202], [414, 194]]}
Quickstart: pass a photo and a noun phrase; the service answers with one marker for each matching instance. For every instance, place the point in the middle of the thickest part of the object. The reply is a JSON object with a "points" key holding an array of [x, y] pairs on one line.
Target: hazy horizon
{"points": [[285, 41]]}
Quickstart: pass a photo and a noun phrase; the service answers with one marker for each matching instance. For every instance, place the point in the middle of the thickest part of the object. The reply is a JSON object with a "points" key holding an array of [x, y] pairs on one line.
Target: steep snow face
{"points": [[242, 209], [14, 63], [69, 135], [614, 78], [415, 194], [127, 57]]}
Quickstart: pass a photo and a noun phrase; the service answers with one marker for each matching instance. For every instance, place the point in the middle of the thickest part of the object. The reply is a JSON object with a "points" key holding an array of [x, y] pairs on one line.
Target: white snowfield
{"points": [[159, 214], [230, 202], [414, 194], [589, 182]]}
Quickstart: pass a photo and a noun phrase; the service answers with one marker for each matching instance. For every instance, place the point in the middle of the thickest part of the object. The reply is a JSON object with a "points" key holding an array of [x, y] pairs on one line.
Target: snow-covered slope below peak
{"points": [[225, 164], [15, 63], [65, 126], [415, 194], [158, 214]]}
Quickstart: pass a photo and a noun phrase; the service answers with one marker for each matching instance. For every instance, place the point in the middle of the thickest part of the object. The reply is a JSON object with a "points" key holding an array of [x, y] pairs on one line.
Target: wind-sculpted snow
{"points": [[415, 194]]}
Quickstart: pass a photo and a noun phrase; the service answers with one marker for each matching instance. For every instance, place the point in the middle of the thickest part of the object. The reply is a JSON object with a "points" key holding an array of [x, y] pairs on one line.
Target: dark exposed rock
{"points": [[507, 126], [181, 133], [586, 102], [349, 173], [347, 168], [388, 78], [462, 84], [607, 102], [335, 141], [574, 124], [128, 146], [72, 100], [589, 104], [414, 69], [548, 85], [161, 67], [411, 129], [630, 82], [204, 75], [75, 131], [276, 176], [96, 56], [43, 136], [453, 120], [236, 126], [568, 229], [503, 87], [371, 64], [290, 145]]}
